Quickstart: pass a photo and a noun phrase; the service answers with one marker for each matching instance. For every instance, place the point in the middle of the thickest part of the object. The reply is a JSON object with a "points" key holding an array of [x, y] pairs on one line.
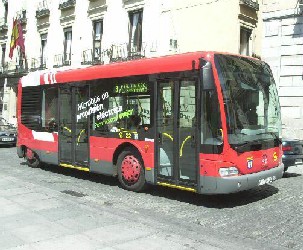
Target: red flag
{"points": [[21, 39], [16, 38]]}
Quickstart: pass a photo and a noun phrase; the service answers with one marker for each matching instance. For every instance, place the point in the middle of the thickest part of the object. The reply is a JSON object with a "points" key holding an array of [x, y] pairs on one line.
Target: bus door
{"points": [[73, 125], [177, 153]]}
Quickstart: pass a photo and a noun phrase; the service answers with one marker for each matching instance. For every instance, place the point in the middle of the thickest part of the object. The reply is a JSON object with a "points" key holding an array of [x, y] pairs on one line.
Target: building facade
{"points": [[76, 33], [283, 50]]}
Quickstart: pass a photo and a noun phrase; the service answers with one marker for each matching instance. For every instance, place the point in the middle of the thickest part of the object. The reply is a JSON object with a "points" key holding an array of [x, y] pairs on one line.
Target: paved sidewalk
{"points": [[37, 216], [34, 217]]}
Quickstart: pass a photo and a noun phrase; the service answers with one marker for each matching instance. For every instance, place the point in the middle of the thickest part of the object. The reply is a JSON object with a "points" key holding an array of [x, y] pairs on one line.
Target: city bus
{"points": [[205, 122]]}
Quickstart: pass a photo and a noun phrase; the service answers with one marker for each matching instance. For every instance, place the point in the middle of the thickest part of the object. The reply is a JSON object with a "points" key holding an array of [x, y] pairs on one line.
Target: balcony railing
{"points": [[42, 10], [116, 53], [88, 58], [136, 53], [61, 60], [21, 66], [250, 3], [38, 63], [11, 68], [123, 52], [66, 4]]}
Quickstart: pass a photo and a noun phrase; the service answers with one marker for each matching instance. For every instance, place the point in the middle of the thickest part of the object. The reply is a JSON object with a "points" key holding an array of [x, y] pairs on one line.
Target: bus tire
{"points": [[32, 159], [131, 170]]}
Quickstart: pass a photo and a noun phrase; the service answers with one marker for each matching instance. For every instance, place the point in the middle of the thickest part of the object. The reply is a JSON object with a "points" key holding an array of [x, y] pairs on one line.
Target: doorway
{"points": [[177, 155], [73, 126]]}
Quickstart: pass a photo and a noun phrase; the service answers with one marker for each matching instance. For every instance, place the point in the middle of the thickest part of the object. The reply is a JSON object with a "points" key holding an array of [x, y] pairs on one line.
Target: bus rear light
{"points": [[231, 171], [286, 148]]}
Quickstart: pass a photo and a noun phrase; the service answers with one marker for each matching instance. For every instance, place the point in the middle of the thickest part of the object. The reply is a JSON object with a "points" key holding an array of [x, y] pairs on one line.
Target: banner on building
{"points": [[16, 38]]}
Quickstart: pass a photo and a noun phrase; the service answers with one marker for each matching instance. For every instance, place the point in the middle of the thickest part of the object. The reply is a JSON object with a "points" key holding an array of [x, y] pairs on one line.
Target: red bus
{"points": [[205, 122]]}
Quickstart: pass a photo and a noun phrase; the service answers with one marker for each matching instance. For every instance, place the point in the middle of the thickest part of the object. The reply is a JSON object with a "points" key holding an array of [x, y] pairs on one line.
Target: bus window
{"points": [[31, 108], [140, 106], [49, 118], [187, 105], [251, 102], [125, 106], [211, 128]]}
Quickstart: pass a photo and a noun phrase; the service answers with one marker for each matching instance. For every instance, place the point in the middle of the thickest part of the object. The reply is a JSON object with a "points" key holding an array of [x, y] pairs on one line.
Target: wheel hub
{"points": [[131, 169]]}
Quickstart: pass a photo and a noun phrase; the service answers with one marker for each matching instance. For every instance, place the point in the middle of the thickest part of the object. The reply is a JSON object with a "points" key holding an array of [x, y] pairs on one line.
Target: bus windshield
{"points": [[251, 103]]}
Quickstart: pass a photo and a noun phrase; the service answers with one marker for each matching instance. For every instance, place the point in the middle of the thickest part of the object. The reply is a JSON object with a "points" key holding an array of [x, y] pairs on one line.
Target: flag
{"points": [[21, 39], [16, 38]]}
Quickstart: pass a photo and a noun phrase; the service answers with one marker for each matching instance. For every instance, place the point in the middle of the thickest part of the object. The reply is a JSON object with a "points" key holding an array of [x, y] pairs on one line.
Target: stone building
{"points": [[77, 33], [283, 50]]}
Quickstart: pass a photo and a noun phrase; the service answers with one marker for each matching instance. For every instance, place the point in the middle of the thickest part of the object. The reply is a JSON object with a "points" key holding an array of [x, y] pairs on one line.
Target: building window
{"points": [[5, 12], [135, 31], [3, 50], [245, 35], [67, 46], [43, 51], [97, 37]]}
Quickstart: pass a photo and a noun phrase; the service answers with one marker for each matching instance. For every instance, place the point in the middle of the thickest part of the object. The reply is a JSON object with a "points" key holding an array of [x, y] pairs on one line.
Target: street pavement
{"points": [[54, 208]]}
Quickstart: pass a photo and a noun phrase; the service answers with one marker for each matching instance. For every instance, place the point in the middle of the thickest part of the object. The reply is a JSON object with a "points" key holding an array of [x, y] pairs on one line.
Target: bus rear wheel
{"points": [[131, 171], [32, 158]]}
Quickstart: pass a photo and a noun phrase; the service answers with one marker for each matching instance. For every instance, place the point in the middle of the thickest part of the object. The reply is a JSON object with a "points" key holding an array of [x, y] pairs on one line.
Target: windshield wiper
{"points": [[247, 143], [273, 135]]}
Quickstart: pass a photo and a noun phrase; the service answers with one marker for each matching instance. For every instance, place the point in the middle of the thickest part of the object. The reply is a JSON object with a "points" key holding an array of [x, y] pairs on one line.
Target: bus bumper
{"points": [[215, 185]]}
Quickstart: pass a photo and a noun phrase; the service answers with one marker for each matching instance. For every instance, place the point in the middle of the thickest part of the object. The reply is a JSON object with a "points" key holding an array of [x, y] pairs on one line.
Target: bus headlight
{"points": [[224, 172]]}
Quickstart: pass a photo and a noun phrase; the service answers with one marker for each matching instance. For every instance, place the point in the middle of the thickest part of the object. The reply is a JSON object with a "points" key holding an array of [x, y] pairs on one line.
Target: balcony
{"points": [[14, 68], [3, 68], [89, 59], [67, 4], [21, 66], [253, 4], [21, 15], [116, 53], [3, 25], [124, 52], [37, 64], [61, 60], [43, 10]]}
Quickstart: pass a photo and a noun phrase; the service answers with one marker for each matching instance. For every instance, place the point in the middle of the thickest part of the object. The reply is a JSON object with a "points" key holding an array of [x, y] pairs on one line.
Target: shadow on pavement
{"points": [[212, 201], [103, 179], [290, 175], [216, 201]]}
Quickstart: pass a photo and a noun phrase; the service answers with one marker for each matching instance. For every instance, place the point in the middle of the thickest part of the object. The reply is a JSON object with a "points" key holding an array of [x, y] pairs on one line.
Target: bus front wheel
{"points": [[131, 170], [32, 158]]}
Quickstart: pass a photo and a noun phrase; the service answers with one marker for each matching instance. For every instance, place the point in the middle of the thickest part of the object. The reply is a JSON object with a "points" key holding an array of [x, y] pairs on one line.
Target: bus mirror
{"points": [[206, 74]]}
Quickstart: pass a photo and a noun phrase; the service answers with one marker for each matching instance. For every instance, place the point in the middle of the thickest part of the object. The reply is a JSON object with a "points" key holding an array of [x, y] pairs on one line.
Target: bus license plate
{"points": [[267, 180], [7, 139]]}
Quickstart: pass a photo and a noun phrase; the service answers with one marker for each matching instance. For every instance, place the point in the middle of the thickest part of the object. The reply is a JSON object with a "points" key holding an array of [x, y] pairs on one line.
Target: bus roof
{"points": [[171, 63]]}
